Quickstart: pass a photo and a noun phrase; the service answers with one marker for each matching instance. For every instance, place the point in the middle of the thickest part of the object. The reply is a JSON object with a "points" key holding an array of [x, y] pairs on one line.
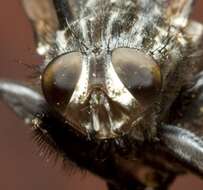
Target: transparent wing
{"points": [[44, 21], [47, 17], [178, 11], [180, 8]]}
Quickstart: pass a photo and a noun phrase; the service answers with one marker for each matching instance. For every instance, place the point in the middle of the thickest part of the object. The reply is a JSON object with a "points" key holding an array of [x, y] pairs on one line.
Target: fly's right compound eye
{"points": [[60, 78]]}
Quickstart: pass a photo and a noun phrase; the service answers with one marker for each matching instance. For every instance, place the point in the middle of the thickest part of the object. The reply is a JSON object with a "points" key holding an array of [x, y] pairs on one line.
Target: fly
{"points": [[117, 96]]}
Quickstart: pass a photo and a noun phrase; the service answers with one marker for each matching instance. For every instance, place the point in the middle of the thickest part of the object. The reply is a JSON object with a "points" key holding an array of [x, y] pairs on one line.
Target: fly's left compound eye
{"points": [[139, 73], [60, 78]]}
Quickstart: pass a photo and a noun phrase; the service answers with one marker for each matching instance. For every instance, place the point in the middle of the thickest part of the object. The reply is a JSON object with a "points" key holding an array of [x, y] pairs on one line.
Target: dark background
{"points": [[21, 166]]}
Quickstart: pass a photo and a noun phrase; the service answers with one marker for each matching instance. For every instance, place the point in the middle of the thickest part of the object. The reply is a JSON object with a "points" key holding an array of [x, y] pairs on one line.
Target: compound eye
{"points": [[60, 78], [139, 73]]}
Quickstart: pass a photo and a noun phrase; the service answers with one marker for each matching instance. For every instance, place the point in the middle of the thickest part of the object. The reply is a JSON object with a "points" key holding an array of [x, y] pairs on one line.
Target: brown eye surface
{"points": [[138, 72], [60, 78]]}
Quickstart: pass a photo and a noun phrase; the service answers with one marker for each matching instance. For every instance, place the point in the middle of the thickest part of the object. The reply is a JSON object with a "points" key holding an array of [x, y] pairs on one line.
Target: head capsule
{"points": [[103, 94]]}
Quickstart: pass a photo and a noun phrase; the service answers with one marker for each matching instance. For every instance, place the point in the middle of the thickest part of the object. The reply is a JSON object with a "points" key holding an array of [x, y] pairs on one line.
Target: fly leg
{"points": [[23, 100]]}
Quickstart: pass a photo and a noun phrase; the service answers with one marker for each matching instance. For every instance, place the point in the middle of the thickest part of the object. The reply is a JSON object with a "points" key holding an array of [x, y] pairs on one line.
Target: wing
{"points": [[180, 8], [179, 11], [47, 17]]}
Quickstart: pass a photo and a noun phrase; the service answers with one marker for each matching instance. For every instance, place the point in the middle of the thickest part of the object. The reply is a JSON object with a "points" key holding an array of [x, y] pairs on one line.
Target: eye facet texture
{"points": [[60, 78], [138, 72]]}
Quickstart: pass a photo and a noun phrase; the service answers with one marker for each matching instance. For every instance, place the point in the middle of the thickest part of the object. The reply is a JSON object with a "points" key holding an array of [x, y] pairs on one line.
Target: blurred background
{"points": [[21, 166]]}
